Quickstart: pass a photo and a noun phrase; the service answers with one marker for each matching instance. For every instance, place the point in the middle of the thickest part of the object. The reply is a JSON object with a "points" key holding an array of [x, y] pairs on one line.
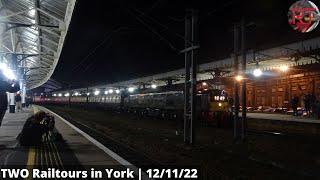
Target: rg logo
{"points": [[303, 16]]}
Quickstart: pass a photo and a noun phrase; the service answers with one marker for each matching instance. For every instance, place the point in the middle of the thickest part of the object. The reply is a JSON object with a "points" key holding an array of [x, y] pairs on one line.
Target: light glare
{"points": [[131, 89], [257, 72], [153, 86]]}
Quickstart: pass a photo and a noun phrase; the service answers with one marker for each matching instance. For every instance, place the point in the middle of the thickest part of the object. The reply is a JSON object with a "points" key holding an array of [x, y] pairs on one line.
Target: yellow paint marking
{"points": [[31, 160], [35, 109]]}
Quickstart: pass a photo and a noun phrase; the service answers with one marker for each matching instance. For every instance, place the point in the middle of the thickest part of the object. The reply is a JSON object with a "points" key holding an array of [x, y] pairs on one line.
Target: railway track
{"points": [[131, 155]]}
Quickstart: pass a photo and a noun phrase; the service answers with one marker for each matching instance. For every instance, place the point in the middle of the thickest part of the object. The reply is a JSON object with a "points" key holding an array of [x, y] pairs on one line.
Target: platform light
{"points": [[153, 86], [32, 12], [106, 92], [117, 91], [76, 94], [7, 71], [257, 72], [284, 68], [97, 92], [239, 78], [88, 94], [204, 84], [131, 89], [220, 104], [67, 95], [110, 91], [54, 95], [59, 94]]}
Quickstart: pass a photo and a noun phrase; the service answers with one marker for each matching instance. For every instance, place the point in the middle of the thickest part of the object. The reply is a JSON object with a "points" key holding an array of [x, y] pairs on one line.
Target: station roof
{"points": [[293, 54], [33, 34]]}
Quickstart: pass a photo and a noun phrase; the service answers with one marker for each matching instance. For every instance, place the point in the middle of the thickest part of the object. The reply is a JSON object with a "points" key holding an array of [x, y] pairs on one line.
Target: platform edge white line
{"points": [[92, 140]]}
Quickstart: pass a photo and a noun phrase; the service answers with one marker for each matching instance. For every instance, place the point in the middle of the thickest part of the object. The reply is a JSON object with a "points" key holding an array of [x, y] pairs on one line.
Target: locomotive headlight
{"points": [[220, 104], [97, 92]]}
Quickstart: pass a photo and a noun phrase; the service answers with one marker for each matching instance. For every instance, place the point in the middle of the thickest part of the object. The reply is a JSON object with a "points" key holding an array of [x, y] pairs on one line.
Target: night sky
{"points": [[116, 40]]}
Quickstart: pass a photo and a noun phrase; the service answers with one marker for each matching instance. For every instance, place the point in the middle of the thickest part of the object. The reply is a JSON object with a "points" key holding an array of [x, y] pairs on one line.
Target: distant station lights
{"points": [[284, 68], [110, 91], [96, 93], [67, 95], [88, 94], [54, 95], [153, 86], [76, 94], [59, 94], [117, 91], [131, 89], [239, 78], [106, 92], [257, 72]]}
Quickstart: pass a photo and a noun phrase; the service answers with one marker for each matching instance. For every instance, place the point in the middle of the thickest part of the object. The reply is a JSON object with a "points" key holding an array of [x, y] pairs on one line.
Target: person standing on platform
{"points": [[18, 102], [5, 87], [294, 105]]}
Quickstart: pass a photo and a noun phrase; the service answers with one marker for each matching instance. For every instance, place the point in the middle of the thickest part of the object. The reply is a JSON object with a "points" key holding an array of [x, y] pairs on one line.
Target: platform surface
{"points": [[282, 117], [74, 149]]}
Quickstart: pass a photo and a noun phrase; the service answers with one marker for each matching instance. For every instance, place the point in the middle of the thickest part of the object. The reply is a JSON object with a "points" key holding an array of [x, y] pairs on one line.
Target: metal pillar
{"points": [[244, 83], [190, 52], [236, 83], [87, 96]]}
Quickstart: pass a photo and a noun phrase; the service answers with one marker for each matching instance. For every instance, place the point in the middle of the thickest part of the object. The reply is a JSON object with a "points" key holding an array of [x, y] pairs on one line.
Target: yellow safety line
{"points": [[31, 160]]}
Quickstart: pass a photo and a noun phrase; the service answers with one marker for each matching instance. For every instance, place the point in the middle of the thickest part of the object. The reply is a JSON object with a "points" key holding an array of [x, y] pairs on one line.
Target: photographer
{"points": [[5, 87]]}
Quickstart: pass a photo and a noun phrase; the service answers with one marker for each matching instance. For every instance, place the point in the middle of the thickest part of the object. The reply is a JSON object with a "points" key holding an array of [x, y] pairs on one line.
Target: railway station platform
{"points": [[75, 148], [282, 117]]}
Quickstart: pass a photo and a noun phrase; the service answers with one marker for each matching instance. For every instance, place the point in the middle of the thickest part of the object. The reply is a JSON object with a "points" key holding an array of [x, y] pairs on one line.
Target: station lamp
{"points": [[131, 89], [97, 92], [257, 72], [284, 68], [110, 91], [59, 94], [88, 94], [153, 86], [106, 92], [239, 78], [7, 71], [76, 94], [67, 94], [54, 95], [204, 84], [117, 91]]}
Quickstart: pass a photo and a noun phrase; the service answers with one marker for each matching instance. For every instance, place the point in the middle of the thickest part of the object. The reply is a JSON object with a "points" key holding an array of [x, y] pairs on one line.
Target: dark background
{"points": [[116, 40]]}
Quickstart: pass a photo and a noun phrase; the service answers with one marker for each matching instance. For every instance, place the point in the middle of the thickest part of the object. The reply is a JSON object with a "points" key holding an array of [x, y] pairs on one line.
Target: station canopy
{"points": [[295, 54], [32, 37]]}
